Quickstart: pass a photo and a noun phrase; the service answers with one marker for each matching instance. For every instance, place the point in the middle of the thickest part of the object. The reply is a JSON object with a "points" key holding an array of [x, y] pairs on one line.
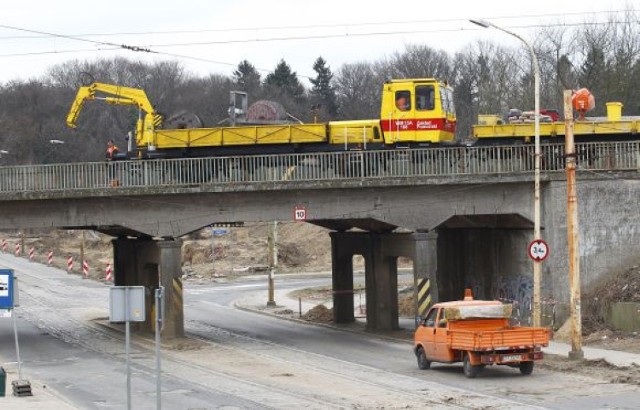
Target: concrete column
{"points": [[147, 262], [425, 271], [170, 271], [342, 278], [381, 275]]}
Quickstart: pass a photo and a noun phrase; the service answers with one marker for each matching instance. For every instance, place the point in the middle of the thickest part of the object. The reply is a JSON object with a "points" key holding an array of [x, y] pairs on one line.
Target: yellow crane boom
{"points": [[118, 95]]}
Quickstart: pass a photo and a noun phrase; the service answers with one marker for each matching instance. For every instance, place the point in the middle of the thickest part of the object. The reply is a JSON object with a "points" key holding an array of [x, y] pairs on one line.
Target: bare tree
{"points": [[358, 91]]}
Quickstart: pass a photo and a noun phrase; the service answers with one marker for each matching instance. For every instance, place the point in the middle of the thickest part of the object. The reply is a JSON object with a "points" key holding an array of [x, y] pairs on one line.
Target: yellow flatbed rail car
{"points": [[556, 129]]}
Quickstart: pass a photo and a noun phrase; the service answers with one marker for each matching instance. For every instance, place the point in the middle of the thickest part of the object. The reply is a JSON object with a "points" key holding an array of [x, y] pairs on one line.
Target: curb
{"points": [[237, 305]]}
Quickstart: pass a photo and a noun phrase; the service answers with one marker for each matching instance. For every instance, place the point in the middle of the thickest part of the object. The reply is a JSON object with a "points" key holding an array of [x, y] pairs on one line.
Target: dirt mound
{"points": [[320, 314]]}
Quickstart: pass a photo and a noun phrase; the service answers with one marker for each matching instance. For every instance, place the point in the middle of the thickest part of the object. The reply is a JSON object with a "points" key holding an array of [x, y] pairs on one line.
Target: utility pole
{"points": [[272, 258], [213, 252], [572, 232], [82, 254]]}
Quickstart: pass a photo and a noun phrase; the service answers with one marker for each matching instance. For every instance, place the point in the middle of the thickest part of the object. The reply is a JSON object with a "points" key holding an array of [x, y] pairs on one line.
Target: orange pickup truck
{"points": [[477, 333]]}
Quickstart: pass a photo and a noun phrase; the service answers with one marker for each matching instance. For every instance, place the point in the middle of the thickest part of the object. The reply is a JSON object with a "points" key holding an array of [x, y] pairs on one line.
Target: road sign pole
{"points": [[272, 240], [213, 253], [159, 317], [126, 345], [15, 332]]}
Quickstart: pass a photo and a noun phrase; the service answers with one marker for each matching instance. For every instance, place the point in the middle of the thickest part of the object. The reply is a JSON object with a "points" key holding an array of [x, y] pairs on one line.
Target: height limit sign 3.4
{"points": [[538, 250]]}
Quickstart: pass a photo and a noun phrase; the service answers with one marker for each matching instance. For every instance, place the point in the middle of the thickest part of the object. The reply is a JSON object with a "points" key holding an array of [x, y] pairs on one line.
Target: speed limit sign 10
{"points": [[299, 214], [538, 250]]}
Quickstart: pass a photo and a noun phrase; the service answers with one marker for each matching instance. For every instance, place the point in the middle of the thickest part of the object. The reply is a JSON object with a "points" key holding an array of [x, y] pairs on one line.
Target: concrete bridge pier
{"points": [[380, 252], [149, 262]]}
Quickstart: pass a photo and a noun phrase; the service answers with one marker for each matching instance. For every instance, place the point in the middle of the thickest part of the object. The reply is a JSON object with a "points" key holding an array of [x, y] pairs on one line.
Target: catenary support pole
{"points": [[572, 232]]}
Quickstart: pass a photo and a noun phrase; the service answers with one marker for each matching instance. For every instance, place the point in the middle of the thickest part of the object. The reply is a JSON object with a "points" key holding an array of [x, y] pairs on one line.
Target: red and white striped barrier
{"points": [[18, 249], [4, 245], [31, 252], [85, 269], [108, 273], [50, 257], [69, 263]]}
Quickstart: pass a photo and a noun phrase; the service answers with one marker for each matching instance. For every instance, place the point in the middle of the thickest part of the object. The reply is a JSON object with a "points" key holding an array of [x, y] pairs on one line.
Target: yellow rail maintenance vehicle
{"points": [[414, 113]]}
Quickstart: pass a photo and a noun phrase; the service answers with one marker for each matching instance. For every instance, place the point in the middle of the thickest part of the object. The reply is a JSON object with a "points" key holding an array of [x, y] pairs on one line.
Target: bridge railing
{"points": [[348, 165]]}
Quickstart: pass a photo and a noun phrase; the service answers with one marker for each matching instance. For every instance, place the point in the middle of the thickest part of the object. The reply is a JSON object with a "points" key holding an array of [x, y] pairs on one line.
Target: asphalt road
{"points": [[239, 359]]}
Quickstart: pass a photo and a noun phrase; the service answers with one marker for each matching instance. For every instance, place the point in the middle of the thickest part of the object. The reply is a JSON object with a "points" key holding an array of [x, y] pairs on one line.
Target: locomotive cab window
{"points": [[403, 100], [425, 97], [446, 96]]}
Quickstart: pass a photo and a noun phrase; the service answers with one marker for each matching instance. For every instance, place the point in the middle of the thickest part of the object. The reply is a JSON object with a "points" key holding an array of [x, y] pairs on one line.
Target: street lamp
{"points": [[536, 192]]}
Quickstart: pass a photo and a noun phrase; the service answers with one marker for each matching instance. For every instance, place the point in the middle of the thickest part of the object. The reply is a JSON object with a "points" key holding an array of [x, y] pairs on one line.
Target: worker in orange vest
{"points": [[112, 151]]}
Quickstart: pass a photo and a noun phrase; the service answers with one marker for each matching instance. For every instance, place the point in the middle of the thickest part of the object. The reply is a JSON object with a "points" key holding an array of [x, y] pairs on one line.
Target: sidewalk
{"points": [[614, 357], [42, 396], [283, 301]]}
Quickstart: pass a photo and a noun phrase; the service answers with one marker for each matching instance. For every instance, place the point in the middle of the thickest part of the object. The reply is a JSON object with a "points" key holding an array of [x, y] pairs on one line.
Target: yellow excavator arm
{"points": [[118, 95]]}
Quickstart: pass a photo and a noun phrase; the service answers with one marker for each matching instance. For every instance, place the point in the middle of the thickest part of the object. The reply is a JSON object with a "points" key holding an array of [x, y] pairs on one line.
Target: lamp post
{"points": [[536, 192]]}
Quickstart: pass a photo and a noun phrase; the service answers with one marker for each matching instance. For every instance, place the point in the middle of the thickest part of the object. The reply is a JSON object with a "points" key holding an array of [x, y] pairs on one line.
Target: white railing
{"points": [[314, 167]]}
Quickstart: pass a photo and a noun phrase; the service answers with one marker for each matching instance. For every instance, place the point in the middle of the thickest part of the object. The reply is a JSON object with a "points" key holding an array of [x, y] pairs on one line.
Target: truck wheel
{"points": [[423, 363], [470, 370], [526, 368]]}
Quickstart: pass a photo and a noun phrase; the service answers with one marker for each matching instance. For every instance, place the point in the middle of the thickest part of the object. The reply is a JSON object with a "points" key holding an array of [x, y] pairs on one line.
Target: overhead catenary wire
{"points": [[149, 48], [322, 25]]}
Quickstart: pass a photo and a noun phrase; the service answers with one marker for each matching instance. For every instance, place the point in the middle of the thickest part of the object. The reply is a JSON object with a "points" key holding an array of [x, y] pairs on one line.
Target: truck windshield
{"points": [[430, 320]]}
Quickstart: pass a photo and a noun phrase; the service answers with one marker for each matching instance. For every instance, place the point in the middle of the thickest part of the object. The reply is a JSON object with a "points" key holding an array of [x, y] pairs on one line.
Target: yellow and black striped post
{"points": [[423, 296]]}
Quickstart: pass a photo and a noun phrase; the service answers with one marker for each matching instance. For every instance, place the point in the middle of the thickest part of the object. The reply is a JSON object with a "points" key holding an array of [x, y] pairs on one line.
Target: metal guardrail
{"points": [[334, 166]]}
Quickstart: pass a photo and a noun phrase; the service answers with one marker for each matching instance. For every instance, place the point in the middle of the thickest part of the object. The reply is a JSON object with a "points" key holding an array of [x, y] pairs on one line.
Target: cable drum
{"points": [[266, 110]]}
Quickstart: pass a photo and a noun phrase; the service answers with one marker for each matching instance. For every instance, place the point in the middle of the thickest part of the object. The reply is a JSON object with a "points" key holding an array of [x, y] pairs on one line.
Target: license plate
{"points": [[512, 358]]}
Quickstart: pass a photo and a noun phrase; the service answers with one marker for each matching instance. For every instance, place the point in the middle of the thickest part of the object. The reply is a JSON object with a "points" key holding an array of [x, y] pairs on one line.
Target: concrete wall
{"points": [[609, 226]]}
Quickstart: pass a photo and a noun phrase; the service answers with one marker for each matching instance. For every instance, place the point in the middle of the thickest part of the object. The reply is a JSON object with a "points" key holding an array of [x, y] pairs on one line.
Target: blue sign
{"points": [[6, 289], [218, 232]]}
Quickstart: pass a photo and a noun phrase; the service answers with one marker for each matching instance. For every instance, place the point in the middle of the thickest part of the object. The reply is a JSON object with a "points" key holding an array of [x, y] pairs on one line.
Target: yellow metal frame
{"points": [[555, 129]]}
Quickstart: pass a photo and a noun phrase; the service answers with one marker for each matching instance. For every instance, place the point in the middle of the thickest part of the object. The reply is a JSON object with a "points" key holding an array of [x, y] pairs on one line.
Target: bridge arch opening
{"points": [[487, 253]]}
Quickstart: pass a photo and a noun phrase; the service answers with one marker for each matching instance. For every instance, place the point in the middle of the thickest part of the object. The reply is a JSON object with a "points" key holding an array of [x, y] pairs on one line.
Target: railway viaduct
{"points": [[462, 225]]}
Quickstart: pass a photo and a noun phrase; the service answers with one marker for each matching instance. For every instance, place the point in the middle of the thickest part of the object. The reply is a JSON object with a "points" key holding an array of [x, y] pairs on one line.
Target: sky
{"points": [[214, 36]]}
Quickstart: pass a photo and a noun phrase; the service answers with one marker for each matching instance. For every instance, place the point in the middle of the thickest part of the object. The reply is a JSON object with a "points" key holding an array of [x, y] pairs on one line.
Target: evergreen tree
{"points": [[246, 76], [284, 81], [323, 90]]}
